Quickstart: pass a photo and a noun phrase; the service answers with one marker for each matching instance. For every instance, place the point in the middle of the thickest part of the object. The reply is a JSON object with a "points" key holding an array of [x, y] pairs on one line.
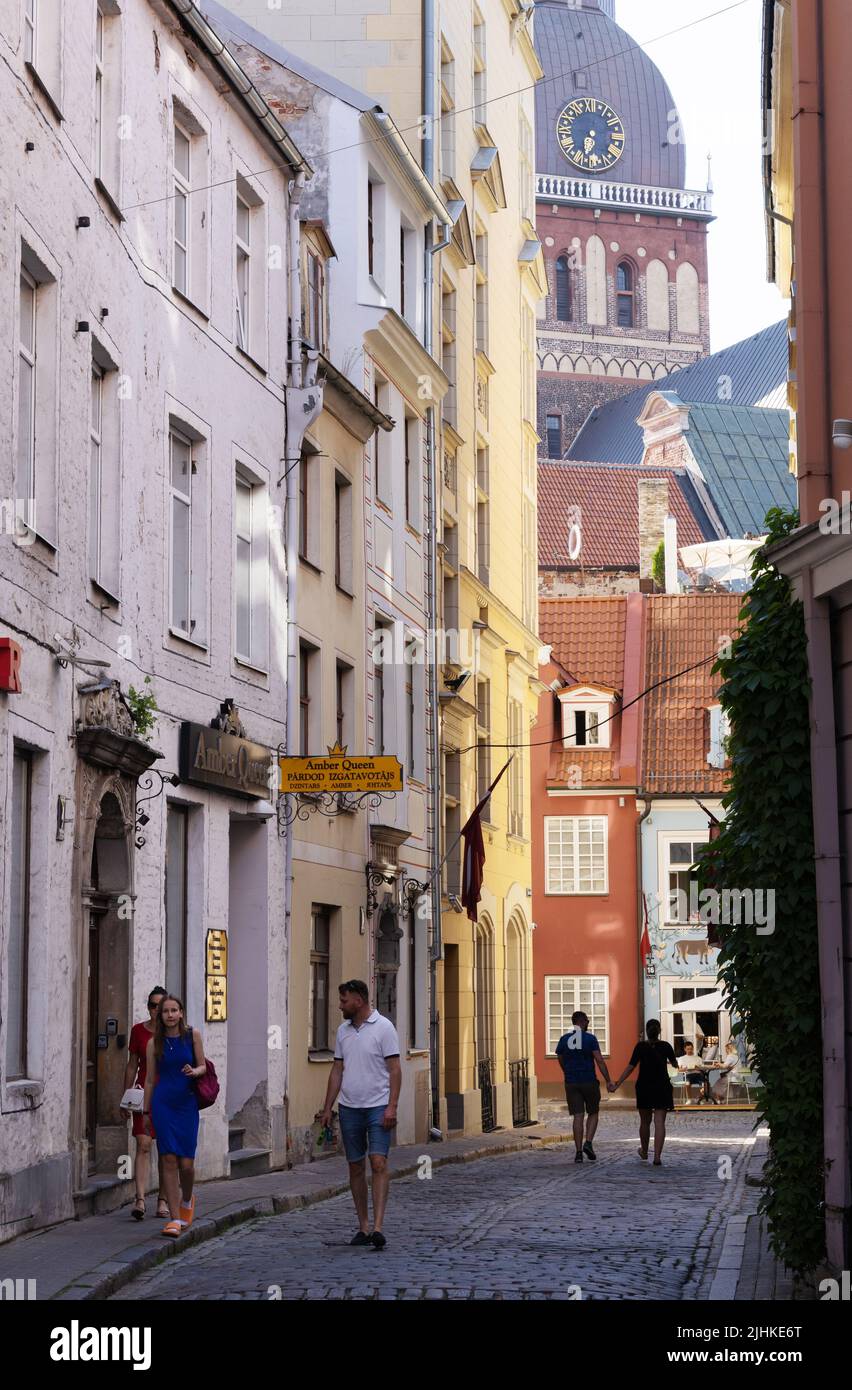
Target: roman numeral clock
{"points": [[591, 134]]}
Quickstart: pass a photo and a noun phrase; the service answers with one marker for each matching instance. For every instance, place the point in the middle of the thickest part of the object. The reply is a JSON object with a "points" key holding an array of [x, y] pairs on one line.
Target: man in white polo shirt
{"points": [[367, 1074]]}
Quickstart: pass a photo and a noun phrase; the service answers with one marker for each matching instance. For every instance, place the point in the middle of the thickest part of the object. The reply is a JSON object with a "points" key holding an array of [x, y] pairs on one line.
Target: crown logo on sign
{"points": [[337, 750]]}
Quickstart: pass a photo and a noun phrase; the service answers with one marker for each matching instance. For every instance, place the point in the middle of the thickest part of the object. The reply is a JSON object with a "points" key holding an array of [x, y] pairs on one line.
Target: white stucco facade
{"points": [[84, 938]]}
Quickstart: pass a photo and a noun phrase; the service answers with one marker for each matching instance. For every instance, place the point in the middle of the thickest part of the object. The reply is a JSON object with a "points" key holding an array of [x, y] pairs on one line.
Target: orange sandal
{"points": [[187, 1211], [172, 1229]]}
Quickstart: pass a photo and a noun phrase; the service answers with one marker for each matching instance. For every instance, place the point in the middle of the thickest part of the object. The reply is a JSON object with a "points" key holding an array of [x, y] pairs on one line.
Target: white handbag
{"points": [[133, 1099]]}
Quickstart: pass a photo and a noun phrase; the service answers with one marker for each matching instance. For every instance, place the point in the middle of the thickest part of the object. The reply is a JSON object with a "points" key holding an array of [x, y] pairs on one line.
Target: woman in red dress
{"points": [[134, 1074]]}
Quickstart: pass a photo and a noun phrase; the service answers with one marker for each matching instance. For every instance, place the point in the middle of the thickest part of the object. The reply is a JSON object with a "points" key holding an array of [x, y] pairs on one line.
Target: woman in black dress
{"points": [[654, 1095]]}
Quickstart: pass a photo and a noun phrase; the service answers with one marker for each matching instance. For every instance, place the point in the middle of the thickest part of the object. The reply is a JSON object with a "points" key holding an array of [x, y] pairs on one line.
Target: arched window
{"points": [[624, 295], [563, 289]]}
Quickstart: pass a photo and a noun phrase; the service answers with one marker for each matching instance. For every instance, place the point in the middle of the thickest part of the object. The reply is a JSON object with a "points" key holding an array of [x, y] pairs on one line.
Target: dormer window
{"points": [[587, 728], [720, 729], [587, 714]]}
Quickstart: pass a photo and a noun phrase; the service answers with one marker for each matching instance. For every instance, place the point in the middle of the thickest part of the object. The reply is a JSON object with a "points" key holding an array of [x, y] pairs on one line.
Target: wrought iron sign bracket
{"points": [[293, 806], [375, 879], [145, 783], [413, 890]]}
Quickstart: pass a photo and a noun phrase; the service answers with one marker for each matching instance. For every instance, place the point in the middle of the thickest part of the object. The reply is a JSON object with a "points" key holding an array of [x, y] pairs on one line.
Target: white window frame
{"points": [[243, 274], [705, 983], [185, 499], [665, 840], [99, 90], [481, 326], [182, 192], [30, 31], [588, 702], [244, 484], [515, 720], [567, 991], [377, 248], [315, 299], [28, 361], [480, 81], [577, 825], [96, 473]]}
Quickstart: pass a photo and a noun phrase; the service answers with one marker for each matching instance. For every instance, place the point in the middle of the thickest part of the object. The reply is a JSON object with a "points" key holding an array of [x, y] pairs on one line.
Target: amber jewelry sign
{"points": [[217, 953], [216, 1002], [339, 772]]}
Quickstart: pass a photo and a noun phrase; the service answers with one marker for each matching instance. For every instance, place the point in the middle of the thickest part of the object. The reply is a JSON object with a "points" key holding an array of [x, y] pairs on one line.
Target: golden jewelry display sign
{"points": [[216, 1008], [339, 773]]}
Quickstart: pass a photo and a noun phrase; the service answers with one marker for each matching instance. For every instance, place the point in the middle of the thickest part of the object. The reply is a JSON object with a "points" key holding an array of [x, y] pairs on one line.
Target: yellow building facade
{"points": [[458, 78]]}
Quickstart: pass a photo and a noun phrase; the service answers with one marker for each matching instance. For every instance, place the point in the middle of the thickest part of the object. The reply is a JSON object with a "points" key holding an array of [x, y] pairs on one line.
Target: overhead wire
{"points": [[459, 110]]}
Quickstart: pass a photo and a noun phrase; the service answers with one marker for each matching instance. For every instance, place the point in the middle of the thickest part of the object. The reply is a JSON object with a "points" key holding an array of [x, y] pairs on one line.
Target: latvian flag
{"points": [[474, 853]]}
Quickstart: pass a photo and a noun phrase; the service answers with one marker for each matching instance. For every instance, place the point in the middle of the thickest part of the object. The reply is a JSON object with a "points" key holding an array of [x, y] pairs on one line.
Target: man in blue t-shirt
{"points": [[579, 1054]]}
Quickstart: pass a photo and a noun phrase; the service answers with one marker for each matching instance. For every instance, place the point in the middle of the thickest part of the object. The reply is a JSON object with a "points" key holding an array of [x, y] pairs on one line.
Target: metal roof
{"points": [[743, 454], [752, 372], [584, 53]]}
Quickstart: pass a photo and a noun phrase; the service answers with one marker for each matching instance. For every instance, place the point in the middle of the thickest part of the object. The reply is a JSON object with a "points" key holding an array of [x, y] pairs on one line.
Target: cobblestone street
{"points": [[533, 1225]]}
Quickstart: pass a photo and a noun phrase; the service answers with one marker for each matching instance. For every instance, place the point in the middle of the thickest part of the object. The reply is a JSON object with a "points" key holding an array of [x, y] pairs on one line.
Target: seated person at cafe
{"points": [[694, 1079], [729, 1073]]}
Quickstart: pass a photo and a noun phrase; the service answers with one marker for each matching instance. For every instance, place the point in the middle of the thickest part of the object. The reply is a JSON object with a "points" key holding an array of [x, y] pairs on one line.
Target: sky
{"points": [[713, 70]]}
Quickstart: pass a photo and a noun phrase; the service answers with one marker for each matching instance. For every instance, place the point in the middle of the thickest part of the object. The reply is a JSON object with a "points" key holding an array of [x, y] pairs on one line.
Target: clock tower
{"points": [[624, 240]]}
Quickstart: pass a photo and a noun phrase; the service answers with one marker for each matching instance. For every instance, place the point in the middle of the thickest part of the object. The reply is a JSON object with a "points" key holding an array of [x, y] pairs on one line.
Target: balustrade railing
{"points": [[571, 188]]}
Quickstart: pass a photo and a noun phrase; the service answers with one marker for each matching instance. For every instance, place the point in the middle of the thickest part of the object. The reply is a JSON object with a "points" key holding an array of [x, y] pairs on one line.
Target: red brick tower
{"points": [[625, 243]]}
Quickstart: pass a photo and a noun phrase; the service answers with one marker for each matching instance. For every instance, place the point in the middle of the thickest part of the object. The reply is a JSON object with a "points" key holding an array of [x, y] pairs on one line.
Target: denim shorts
{"points": [[362, 1131]]}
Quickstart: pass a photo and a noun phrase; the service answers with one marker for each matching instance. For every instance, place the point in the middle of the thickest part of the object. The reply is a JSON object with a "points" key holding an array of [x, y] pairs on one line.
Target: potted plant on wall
{"points": [[114, 728]]}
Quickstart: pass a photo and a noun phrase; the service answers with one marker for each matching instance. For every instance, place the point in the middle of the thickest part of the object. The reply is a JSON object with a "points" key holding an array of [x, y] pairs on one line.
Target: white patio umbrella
{"points": [[725, 562], [704, 1004]]}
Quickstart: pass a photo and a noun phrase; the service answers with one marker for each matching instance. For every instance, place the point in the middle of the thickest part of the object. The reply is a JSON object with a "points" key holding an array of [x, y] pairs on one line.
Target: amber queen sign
{"points": [[339, 773]]}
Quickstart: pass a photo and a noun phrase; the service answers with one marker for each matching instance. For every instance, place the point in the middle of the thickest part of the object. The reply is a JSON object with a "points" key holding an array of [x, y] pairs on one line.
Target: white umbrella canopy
{"points": [[704, 1004], [724, 561]]}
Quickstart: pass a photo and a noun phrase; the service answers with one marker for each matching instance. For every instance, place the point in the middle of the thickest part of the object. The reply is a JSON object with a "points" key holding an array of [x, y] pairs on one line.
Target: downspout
{"points": [[428, 40], [304, 404], [813, 451], [640, 894]]}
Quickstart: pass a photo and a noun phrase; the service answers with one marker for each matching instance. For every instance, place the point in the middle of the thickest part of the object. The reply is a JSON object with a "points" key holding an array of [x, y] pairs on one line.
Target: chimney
{"points": [[672, 582], [653, 510]]}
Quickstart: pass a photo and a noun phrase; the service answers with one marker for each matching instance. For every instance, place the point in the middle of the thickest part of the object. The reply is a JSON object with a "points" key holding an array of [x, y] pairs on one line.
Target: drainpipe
{"points": [[815, 482], [428, 40], [641, 909], [304, 404]]}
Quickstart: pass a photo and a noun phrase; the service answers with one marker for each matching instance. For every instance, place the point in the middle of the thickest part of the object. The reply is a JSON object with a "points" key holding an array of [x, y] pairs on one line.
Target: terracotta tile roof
{"points": [[608, 499], [681, 629], [587, 637]]}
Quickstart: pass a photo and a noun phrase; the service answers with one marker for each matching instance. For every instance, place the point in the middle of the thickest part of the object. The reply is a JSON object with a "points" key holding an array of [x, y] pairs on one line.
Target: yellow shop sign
{"points": [[339, 773]]}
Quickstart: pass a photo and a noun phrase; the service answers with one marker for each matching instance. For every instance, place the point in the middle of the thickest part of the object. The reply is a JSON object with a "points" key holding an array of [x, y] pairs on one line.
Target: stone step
{"points": [[101, 1195], [249, 1163]]}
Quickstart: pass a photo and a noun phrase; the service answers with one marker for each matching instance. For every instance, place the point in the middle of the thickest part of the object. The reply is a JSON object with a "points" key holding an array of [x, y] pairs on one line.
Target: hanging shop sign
{"points": [[339, 772], [211, 758], [216, 1007], [10, 666]]}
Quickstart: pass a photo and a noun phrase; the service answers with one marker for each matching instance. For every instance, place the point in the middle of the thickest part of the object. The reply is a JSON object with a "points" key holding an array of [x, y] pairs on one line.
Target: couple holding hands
{"points": [[578, 1053]]}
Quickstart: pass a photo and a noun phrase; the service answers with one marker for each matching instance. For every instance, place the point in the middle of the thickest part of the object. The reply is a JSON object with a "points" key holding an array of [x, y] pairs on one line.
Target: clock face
{"points": [[590, 134]]}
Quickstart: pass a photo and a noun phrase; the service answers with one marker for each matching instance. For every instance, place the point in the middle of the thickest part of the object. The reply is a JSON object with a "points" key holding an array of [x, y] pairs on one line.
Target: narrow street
{"points": [[523, 1226]]}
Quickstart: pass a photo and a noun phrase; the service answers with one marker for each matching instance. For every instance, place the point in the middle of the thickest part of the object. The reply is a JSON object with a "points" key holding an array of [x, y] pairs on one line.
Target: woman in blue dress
{"points": [[175, 1058]]}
